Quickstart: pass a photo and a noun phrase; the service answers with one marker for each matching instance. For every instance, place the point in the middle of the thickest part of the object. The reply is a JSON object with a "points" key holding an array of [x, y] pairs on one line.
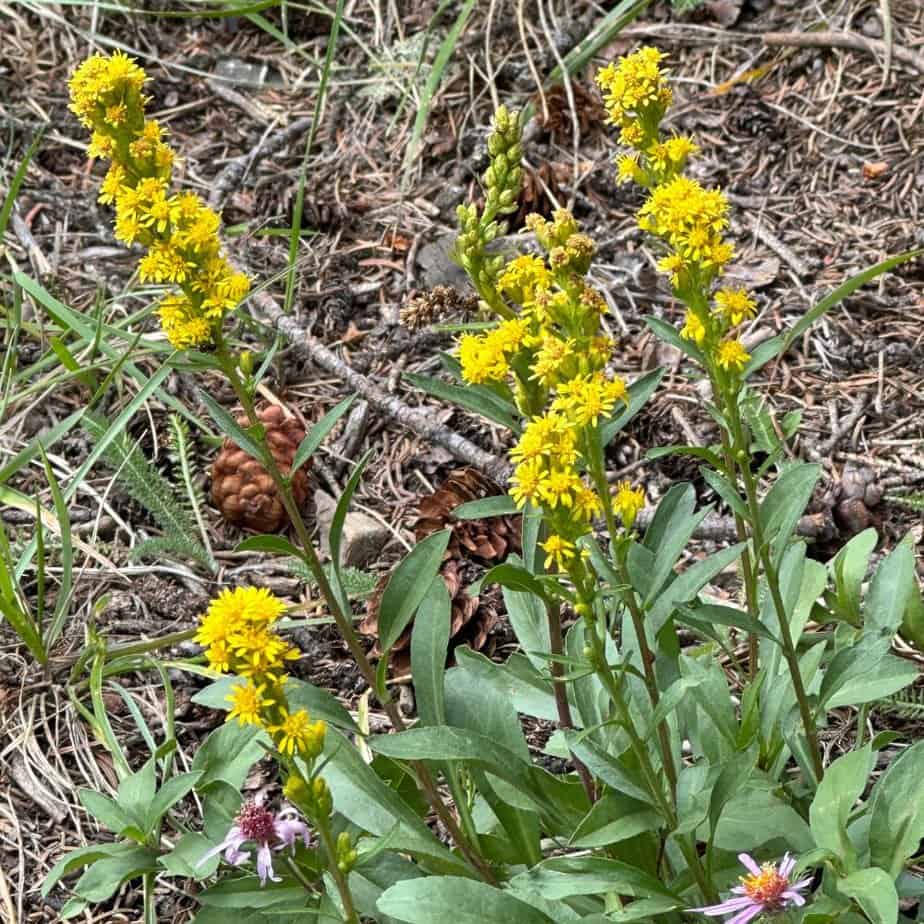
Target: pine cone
{"points": [[243, 490], [472, 619], [554, 112], [489, 540]]}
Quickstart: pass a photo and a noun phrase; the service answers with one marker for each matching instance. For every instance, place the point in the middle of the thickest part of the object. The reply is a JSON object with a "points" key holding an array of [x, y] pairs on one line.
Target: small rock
{"points": [[362, 538], [872, 27], [724, 12]]}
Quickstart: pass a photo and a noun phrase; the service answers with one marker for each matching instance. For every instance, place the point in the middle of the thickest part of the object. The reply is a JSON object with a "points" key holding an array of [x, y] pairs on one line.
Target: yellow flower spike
{"points": [[297, 735], [734, 306], [248, 703], [559, 551], [180, 232], [693, 328], [627, 503], [732, 356]]}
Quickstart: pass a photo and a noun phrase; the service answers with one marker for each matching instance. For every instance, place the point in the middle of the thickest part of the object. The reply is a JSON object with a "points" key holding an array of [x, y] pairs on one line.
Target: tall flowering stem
{"points": [[690, 222], [343, 619], [180, 237], [548, 354], [239, 634]]}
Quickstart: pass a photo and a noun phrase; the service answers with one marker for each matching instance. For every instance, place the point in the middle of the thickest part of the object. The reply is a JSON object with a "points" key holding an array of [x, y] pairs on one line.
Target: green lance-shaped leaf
{"points": [[408, 586]]}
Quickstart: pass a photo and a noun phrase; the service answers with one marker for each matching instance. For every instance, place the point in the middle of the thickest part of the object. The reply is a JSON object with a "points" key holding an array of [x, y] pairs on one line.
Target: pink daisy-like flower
{"points": [[269, 831], [766, 890]]}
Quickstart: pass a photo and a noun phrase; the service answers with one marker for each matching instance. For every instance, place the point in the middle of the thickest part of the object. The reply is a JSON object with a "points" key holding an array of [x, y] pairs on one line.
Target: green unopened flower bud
{"points": [[321, 800], [502, 119], [245, 362], [346, 853], [495, 264], [296, 790], [507, 197]]}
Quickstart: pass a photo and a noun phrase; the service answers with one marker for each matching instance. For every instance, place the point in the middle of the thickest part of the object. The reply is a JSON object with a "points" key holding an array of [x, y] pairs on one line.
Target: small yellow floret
{"points": [[248, 703], [693, 328], [296, 734], [734, 305], [559, 551], [732, 356], [627, 503]]}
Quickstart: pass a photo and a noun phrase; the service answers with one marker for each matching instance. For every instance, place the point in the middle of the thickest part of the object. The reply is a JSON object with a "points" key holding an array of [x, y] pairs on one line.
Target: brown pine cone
{"points": [[472, 619], [489, 540], [243, 490]]}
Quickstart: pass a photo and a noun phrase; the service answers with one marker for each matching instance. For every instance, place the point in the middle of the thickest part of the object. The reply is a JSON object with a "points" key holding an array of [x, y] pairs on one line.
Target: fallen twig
{"points": [[235, 170], [413, 419], [848, 40]]}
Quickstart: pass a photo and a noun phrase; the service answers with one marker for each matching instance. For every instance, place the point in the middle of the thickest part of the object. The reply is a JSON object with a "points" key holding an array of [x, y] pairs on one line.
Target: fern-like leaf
{"points": [[146, 485], [182, 457], [172, 546], [357, 583], [906, 704], [913, 502]]}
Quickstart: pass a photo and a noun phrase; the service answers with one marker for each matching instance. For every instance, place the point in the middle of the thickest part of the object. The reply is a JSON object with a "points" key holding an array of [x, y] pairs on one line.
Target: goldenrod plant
{"points": [[697, 783]]}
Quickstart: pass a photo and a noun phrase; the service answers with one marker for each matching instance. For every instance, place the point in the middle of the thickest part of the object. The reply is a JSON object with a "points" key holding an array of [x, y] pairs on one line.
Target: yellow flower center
{"points": [[766, 887]]}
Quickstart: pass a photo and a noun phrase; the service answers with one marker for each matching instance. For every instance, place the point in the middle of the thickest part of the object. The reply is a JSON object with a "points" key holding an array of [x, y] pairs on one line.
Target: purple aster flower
{"points": [[269, 831], [766, 890]]}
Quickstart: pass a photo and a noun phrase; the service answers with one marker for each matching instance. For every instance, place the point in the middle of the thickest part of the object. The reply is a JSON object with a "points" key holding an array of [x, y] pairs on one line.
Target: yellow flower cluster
{"points": [[178, 231], [549, 356], [238, 632], [635, 94], [690, 219]]}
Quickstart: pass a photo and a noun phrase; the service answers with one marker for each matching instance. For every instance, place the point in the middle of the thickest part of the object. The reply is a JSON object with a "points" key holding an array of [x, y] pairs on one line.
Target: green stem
{"points": [[556, 647], [686, 843], [747, 568], [344, 620], [773, 583], [343, 887], [598, 474], [150, 911], [617, 697]]}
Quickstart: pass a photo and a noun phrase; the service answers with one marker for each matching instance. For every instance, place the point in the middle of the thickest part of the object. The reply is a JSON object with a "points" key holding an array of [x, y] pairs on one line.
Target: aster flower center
{"points": [[256, 823], [766, 887]]}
